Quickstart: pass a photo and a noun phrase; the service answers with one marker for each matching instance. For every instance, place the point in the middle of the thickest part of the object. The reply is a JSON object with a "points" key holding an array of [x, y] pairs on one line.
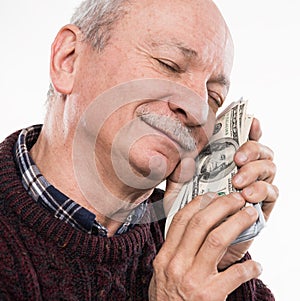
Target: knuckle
{"points": [[271, 154], [156, 264], [200, 221], [263, 189], [265, 152], [256, 270], [272, 193], [179, 218], [273, 168], [238, 199], [247, 270], [276, 191], [241, 271], [173, 271], [215, 241], [232, 202], [263, 175], [159, 262], [268, 171]]}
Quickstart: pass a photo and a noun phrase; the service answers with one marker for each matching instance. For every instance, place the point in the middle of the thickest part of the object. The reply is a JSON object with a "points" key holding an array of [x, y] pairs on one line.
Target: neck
{"points": [[110, 201]]}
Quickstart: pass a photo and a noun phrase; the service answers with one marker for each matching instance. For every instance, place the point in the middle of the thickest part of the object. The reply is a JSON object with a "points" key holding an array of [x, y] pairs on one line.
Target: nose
{"points": [[191, 108]]}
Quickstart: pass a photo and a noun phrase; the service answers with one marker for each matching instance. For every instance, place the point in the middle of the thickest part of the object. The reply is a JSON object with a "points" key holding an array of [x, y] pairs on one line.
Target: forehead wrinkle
{"points": [[185, 50]]}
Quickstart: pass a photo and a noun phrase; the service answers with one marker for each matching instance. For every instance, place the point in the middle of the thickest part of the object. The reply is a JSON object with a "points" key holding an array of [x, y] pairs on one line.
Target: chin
{"points": [[151, 165], [146, 163]]}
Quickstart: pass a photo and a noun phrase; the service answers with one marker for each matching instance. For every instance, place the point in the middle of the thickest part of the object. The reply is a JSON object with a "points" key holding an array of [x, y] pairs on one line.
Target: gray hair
{"points": [[95, 19]]}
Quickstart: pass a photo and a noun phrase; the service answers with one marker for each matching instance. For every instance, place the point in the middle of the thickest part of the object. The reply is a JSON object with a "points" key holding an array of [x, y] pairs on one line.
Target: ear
{"points": [[64, 53]]}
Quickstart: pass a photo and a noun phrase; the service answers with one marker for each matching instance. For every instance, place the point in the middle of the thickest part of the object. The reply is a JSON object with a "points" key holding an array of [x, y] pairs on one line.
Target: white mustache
{"points": [[172, 128]]}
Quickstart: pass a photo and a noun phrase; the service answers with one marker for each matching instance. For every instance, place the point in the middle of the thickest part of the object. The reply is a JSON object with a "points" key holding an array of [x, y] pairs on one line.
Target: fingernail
{"points": [[238, 179], [248, 191], [250, 210], [237, 195], [241, 157]]}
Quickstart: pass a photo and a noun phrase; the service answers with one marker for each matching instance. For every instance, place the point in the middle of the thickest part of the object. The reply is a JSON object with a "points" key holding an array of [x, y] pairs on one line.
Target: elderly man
{"points": [[135, 88]]}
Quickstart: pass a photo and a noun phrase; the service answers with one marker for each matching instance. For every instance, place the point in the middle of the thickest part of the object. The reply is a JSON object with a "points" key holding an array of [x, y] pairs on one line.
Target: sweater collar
{"points": [[35, 217], [61, 206]]}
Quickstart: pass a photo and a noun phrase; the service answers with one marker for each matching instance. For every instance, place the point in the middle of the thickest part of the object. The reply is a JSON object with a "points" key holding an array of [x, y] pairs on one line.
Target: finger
{"points": [[238, 274], [202, 223], [269, 203], [221, 237], [182, 218], [182, 173], [170, 195], [184, 170], [234, 253], [168, 265], [255, 130], [260, 191], [263, 170], [251, 151]]}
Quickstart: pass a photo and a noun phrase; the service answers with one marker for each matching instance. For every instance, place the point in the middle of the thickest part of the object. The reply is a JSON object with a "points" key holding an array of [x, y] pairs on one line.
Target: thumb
{"points": [[182, 173], [255, 130]]}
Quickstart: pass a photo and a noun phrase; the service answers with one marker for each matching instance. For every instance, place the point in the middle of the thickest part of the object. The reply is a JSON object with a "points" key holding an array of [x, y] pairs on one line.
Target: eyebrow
{"points": [[222, 80], [186, 51]]}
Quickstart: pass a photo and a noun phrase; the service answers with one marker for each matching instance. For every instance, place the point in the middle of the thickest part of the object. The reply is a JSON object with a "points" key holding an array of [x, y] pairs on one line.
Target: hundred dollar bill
{"points": [[215, 166]]}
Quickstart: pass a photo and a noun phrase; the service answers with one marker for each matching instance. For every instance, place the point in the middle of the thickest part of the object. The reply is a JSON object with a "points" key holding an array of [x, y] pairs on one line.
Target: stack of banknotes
{"points": [[215, 166]]}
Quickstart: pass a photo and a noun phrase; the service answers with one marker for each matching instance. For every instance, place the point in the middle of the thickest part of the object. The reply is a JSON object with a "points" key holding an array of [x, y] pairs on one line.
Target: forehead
{"points": [[194, 18], [193, 25]]}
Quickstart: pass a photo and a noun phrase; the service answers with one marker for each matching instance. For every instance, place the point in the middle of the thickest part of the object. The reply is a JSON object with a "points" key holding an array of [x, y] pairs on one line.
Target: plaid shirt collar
{"points": [[55, 201]]}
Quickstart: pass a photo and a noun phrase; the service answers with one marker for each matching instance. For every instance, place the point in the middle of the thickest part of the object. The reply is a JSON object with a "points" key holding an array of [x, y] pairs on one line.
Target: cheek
{"points": [[206, 131], [135, 154], [153, 154], [99, 73]]}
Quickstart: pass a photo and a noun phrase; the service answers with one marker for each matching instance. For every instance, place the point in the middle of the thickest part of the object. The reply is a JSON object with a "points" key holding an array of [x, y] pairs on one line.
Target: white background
{"points": [[266, 71]]}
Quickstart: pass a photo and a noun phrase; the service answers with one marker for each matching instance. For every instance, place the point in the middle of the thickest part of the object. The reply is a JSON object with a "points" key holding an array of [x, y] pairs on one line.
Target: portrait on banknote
{"points": [[216, 160]]}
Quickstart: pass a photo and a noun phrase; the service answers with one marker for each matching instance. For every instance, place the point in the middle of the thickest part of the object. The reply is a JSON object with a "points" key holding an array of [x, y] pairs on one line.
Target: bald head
{"points": [[96, 18], [185, 43]]}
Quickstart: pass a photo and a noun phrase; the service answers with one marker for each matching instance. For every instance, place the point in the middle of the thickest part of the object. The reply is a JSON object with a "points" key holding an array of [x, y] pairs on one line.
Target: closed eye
{"points": [[169, 65], [218, 100]]}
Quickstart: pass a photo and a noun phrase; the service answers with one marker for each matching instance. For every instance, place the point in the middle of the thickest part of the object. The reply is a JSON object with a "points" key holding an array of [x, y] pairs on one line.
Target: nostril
{"points": [[190, 109], [181, 112]]}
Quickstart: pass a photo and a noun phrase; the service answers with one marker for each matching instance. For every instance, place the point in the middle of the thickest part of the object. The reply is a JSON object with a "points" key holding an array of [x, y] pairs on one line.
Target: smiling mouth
{"points": [[173, 129]]}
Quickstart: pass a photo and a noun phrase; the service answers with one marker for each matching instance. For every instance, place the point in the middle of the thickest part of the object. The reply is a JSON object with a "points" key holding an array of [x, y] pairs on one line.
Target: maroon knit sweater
{"points": [[43, 258]]}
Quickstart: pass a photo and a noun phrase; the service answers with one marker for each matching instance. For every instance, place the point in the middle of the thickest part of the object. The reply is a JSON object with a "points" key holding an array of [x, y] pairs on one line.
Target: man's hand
{"points": [[254, 179], [186, 268], [198, 241]]}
